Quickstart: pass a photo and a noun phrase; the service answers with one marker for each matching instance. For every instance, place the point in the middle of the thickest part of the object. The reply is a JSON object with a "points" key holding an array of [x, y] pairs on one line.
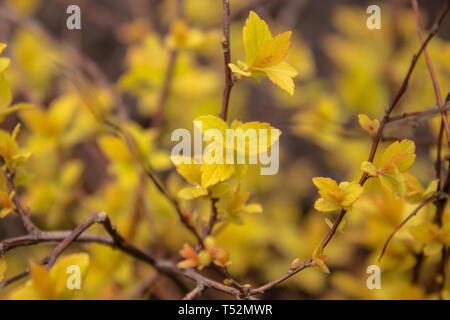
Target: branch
{"points": [[116, 240], [29, 225], [416, 115], [375, 142], [227, 59], [433, 77]]}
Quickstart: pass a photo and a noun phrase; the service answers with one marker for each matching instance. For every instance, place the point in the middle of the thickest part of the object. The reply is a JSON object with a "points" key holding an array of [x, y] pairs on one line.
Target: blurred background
{"points": [[118, 61]]}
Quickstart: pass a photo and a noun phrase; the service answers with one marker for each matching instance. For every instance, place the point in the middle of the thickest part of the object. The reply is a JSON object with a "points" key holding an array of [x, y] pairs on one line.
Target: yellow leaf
{"points": [[215, 173], [329, 189], [190, 193], [188, 169], [234, 68], [255, 34], [272, 52], [369, 167], [211, 122], [321, 265], [402, 154], [253, 208], [368, 125], [254, 143], [219, 190], [394, 183], [352, 191], [59, 274], [324, 205], [282, 75]]}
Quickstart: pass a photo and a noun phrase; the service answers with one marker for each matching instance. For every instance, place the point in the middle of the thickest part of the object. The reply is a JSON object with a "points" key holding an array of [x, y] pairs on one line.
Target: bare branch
{"points": [[227, 59], [198, 290]]}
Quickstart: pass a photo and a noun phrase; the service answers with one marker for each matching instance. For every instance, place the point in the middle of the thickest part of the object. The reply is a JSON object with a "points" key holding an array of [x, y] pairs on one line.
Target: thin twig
{"points": [[227, 59]]}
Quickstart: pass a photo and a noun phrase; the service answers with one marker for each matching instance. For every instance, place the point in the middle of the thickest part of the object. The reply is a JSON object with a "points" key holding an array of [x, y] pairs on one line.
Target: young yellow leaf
{"points": [[215, 173], [190, 193], [323, 205], [4, 63], [394, 183], [352, 191], [41, 280], [255, 34], [282, 75], [368, 125], [253, 208], [219, 190], [2, 47], [188, 169], [369, 168], [329, 189], [402, 154], [272, 52], [211, 122]]}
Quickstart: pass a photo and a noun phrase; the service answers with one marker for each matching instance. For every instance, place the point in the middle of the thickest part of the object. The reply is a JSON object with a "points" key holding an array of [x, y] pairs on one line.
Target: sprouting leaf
{"points": [[282, 75], [368, 125], [265, 54], [255, 33], [219, 190], [319, 259], [395, 161], [369, 168], [190, 193], [191, 258]]}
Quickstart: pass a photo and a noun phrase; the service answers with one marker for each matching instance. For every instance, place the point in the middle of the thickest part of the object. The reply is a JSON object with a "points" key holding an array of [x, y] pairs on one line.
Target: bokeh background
{"points": [[120, 56]]}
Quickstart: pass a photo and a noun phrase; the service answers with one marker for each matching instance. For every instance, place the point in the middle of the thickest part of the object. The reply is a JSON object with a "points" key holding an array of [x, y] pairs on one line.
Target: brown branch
{"points": [[227, 59], [437, 90], [95, 217], [375, 142], [116, 240], [416, 115]]}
